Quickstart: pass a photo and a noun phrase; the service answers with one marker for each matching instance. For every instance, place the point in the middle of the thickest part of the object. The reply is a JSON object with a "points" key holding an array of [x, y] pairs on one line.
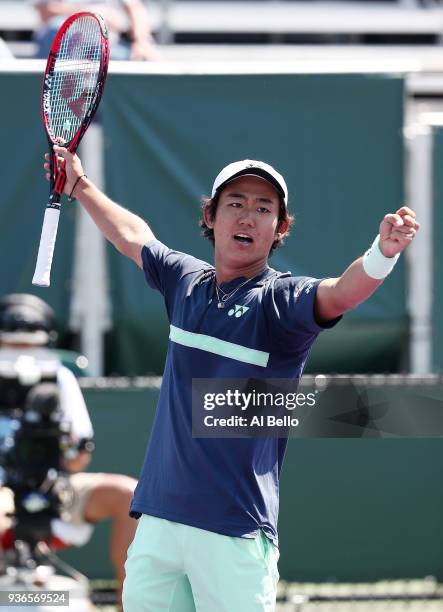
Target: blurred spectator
{"points": [[142, 46]]}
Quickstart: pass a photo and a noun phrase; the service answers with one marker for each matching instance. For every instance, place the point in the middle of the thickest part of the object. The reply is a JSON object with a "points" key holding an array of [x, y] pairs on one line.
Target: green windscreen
{"points": [[336, 138]]}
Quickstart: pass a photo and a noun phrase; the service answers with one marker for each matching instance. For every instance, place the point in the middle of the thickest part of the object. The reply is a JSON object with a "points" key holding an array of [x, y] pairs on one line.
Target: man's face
{"points": [[245, 225]]}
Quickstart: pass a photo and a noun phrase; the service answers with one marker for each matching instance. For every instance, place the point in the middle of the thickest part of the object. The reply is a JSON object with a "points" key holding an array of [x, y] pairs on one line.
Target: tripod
{"points": [[28, 572]]}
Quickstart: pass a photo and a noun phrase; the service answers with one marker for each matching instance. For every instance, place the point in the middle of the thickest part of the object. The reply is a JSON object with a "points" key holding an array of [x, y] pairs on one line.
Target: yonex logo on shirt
{"points": [[309, 286], [237, 311], [305, 285]]}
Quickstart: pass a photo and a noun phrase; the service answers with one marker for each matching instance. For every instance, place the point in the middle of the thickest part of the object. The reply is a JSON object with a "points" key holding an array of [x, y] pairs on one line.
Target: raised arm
{"points": [[338, 295], [126, 231], [143, 46]]}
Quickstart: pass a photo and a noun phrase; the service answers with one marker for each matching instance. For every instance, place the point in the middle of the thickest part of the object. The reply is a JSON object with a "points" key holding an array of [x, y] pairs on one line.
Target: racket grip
{"points": [[46, 249]]}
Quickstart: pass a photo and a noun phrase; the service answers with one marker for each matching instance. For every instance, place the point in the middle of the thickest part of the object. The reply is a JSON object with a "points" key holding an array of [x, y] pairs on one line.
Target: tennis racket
{"points": [[72, 89]]}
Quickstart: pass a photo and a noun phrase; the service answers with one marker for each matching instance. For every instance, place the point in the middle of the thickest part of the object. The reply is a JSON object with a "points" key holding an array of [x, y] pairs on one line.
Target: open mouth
{"points": [[243, 238]]}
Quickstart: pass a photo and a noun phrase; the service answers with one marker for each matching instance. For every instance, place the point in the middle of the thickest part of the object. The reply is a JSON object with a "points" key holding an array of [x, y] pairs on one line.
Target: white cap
{"points": [[254, 168]]}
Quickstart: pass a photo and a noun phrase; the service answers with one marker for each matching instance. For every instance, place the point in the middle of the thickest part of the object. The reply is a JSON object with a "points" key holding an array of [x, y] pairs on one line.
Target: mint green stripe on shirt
{"points": [[219, 347]]}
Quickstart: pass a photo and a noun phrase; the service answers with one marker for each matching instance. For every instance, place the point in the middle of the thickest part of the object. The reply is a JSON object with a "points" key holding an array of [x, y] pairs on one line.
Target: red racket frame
{"points": [[58, 177]]}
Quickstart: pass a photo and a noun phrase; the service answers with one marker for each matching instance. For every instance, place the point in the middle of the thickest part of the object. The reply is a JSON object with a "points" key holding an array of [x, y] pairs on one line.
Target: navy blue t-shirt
{"points": [[229, 486]]}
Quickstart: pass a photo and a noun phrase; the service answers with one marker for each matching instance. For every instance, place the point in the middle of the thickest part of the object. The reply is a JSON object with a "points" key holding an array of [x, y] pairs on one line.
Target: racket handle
{"points": [[46, 249]]}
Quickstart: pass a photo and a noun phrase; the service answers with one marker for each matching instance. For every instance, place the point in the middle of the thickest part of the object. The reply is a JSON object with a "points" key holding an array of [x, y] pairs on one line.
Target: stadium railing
{"points": [[268, 17]]}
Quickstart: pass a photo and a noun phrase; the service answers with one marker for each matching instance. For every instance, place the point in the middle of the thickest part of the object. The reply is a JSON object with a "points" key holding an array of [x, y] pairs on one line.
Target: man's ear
{"points": [[282, 228], [207, 217]]}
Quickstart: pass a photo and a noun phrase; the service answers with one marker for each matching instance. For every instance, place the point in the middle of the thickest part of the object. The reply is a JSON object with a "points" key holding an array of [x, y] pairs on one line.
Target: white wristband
{"points": [[375, 264]]}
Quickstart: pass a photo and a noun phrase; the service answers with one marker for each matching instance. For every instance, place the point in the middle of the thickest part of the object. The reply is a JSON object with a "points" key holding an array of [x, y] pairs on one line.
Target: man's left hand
{"points": [[397, 230]]}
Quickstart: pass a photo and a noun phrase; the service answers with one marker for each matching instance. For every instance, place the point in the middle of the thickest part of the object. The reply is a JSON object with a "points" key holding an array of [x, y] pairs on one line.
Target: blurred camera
{"points": [[34, 437]]}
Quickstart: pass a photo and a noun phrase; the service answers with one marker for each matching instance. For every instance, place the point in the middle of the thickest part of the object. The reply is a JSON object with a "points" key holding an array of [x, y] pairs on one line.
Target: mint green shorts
{"points": [[173, 567]]}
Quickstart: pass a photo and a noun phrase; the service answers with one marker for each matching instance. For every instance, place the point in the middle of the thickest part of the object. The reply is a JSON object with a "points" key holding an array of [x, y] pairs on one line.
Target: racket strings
{"points": [[74, 78]]}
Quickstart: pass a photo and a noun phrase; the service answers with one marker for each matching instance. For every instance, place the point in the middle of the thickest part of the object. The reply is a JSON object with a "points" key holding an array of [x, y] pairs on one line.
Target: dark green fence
{"points": [[336, 138], [24, 194]]}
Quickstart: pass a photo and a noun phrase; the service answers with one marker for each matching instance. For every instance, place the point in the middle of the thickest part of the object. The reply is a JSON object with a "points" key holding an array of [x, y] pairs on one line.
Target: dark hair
{"points": [[212, 203], [24, 312]]}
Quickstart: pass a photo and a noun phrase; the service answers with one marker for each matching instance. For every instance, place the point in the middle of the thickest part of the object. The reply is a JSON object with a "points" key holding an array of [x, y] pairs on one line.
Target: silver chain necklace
{"points": [[226, 296]]}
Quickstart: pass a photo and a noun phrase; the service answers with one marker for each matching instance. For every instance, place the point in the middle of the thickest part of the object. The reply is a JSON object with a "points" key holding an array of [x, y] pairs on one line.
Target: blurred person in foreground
{"points": [[208, 506], [26, 328], [141, 47]]}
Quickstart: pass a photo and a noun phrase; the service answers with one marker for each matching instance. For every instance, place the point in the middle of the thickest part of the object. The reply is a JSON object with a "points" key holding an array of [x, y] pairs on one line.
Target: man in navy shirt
{"points": [[208, 507]]}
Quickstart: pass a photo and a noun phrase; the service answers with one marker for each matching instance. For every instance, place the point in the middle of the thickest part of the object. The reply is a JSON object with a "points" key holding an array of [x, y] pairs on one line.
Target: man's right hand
{"points": [[73, 166]]}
